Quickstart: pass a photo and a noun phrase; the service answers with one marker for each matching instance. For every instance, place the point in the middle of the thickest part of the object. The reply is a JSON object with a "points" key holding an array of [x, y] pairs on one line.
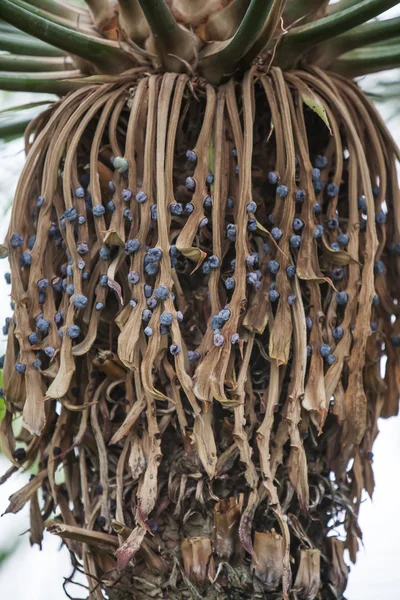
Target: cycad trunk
{"points": [[189, 244]]}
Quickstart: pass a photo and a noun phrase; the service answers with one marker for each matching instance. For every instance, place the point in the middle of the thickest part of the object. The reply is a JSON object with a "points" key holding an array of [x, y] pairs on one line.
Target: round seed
{"points": [[80, 301], [73, 331]]}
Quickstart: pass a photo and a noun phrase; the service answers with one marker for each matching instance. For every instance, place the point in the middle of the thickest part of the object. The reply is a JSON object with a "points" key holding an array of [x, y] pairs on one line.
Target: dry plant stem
{"points": [[185, 386]]}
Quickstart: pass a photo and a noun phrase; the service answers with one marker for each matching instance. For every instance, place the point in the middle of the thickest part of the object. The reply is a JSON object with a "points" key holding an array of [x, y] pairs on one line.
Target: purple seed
{"points": [[37, 363], [81, 220], [80, 192], [73, 331], [146, 315], [80, 301], [325, 350], [40, 201], [166, 319], [148, 331], [20, 368], [98, 210], [126, 195], [235, 338], [174, 349], [133, 277], [218, 340], [132, 246], [291, 271], [274, 295], [99, 305], [282, 191], [300, 196], [16, 240], [203, 222], [162, 292], [190, 184], [273, 178], [276, 233], [332, 190], [229, 283], [191, 156], [49, 351], [110, 206], [193, 355]]}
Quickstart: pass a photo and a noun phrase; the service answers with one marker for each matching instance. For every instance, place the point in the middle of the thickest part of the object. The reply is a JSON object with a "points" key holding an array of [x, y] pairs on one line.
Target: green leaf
{"points": [[313, 102], [10, 130], [219, 58], [51, 83], [21, 43], [300, 39], [106, 54], [22, 107], [367, 60], [58, 8], [369, 33], [9, 62]]}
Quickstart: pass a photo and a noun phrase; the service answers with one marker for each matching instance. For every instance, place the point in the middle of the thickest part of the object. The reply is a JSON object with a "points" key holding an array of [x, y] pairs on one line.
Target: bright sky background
{"points": [[33, 575]]}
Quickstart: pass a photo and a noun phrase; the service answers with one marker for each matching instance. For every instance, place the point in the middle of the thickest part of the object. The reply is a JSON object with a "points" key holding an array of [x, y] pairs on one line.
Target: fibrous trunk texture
{"points": [[204, 282]]}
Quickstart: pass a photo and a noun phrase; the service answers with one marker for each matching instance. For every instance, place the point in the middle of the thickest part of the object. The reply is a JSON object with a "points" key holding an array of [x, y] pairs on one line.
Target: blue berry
{"points": [[162, 292], [374, 326], [154, 254], [20, 368], [189, 208], [224, 314], [395, 341], [231, 232], [203, 222], [98, 210], [216, 322], [151, 269], [210, 179], [33, 338], [276, 233], [252, 259], [42, 325], [252, 225], [148, 331], [295, 241], [81, 220], [152, 303], [80, 301], [317, 209], [49, 351], [291, 271], [337, 333], [7, 277], [179, 316], [173, 251], [85, 275], [99, 305], [37, 363], [80, 192], [214, 261], [342, 298], [31, 242], [207, 202], [42, 297], [190, 184], [319, 232], [343, 239], [58, 317], [274, 295], [174, 349], [331, 359], [166, 319], [57, 284], [333, 223], [318, 186], [229, 283], [266, 248], [325, 350], [81, 265], [40, 201], [148, 290], [251, 207], [133, 277], [375, 300], [69, 289], [309, 323], [105, 253], [73, 331], [362, 203], [273, 177], [291, 299], [316, 174], [191, 156], [337, 274], [132, 246], [309, 350], [193, 355], [380, 217], [235, 338], [133, 303], [218, 340], [271, 219], [176, 209], [126, 195], [16, 240], [110, 206], [379, 267], [321, 162], [300, 196], [127, 214], [6, 326], [70, 214], [282, 191], [332, 190], [103, 280], [229, 203], [297, 224], [206, 268], [335, 246], [273, 267], [376, 191], [146, 315]]}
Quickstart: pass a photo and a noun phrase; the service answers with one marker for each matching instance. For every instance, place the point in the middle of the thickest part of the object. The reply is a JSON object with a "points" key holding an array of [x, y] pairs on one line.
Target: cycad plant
{"points": [[205, 275]]}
